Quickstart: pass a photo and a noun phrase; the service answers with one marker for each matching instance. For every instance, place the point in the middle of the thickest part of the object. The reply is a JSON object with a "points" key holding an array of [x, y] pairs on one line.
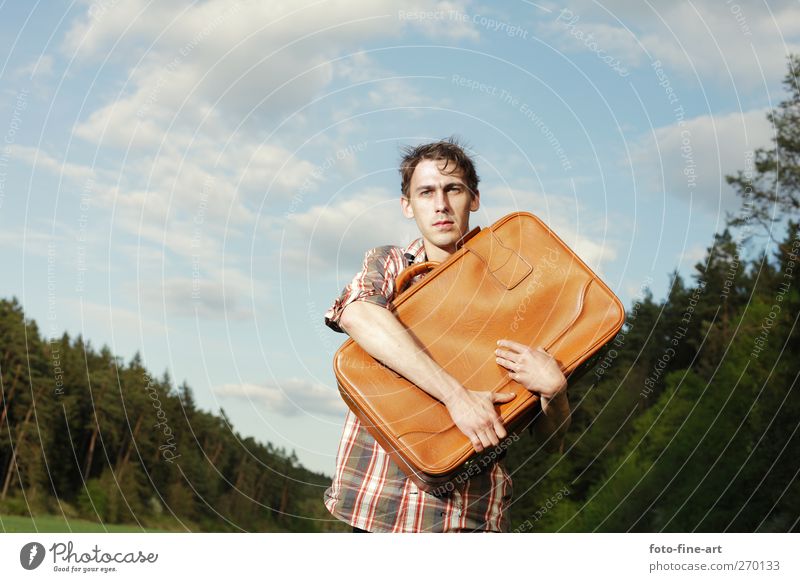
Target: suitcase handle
{"points": [[404, 279], [506, 266]]}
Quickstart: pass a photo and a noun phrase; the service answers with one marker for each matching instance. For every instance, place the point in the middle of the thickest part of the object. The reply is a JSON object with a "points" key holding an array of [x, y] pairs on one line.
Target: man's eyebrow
{"points": [[431, 186]]}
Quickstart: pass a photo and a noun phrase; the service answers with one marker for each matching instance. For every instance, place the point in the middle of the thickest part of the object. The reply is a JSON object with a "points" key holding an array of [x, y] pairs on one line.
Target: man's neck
{"points": [[437, 254]]}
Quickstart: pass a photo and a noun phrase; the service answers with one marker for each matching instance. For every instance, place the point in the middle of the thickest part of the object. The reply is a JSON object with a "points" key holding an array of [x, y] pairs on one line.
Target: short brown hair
{"points": [[448, 150]]}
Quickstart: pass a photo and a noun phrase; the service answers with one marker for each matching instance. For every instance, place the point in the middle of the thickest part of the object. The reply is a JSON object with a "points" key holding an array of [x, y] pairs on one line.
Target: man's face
{"points": [[440, 204]]}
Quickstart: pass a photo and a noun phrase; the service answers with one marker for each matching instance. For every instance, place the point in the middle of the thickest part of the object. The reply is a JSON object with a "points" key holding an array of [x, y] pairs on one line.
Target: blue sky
{"points": [[197, 181]]}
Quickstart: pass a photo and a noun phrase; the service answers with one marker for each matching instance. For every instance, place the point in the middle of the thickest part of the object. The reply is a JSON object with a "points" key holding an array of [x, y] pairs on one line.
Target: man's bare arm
{"points": [[539, 372], [378, 331], [552, 423]]}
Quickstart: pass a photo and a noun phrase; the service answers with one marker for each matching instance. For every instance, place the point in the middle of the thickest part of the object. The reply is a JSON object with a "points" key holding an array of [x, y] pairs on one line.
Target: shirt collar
{"points": [[417, 250]]}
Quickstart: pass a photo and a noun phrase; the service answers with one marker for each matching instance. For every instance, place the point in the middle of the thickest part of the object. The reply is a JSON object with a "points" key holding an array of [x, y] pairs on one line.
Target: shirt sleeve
{"points": [[374, 283]]}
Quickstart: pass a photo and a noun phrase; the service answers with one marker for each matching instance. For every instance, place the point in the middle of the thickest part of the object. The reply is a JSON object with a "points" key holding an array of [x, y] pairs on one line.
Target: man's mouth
{"points": [[443, 223]]}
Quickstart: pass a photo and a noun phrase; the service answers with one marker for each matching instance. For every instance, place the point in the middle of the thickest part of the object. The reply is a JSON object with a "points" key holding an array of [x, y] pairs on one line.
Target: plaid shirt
{"points": [[369, 490]]}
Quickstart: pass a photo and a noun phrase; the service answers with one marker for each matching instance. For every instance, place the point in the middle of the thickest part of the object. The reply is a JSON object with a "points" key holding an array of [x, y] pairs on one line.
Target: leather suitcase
{"points": [[515, 280]]}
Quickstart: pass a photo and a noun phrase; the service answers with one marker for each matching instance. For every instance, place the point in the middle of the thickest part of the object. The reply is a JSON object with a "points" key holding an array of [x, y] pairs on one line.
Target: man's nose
{"points": [[442, 201]]}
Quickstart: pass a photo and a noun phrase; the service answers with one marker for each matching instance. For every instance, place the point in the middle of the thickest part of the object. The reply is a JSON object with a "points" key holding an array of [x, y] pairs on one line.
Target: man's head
{"points": [[439, 190]]}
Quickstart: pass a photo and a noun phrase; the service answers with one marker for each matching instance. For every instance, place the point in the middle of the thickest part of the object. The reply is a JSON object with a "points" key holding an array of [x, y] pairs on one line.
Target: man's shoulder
{"points": [[383, 253], [395, 251], [384, 250]]}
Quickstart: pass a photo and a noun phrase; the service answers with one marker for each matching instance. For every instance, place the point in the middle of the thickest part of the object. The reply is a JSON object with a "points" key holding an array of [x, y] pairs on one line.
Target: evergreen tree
{"points": [[772, 189]]}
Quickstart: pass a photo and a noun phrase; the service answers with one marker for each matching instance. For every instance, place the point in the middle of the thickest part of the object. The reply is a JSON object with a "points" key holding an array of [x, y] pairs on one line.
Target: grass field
{"points": [[58, 524]]}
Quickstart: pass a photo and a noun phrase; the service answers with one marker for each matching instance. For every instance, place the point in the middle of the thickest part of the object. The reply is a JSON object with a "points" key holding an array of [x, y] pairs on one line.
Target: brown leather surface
{"points": [[515, 280]]}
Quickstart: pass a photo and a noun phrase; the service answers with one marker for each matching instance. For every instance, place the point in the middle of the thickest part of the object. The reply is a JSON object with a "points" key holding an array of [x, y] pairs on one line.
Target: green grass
{"points": [[58, 524]]}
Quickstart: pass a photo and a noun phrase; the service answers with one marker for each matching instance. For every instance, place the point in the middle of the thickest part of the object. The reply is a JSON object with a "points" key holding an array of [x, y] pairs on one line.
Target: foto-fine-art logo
{"points": [[31, 555]]}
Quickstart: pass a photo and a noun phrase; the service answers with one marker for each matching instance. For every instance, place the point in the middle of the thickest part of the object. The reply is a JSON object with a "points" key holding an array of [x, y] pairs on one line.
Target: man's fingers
{"points": [[503, 397], [486, 440], [510, 344], [508, 364], [509, 355], [489, 437], [476, 442], [483, 427], [499, 429]]}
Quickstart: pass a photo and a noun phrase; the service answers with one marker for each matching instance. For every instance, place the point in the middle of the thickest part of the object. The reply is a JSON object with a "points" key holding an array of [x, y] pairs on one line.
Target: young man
{"points": [[369, 491]]}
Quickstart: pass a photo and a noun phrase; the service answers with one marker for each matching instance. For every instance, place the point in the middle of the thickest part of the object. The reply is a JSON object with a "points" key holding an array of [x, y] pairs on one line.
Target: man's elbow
{"points": [[352, 316]]}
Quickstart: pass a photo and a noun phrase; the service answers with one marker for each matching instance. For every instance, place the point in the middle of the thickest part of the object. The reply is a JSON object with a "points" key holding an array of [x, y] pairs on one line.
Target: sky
{"points": [[198, 181]]}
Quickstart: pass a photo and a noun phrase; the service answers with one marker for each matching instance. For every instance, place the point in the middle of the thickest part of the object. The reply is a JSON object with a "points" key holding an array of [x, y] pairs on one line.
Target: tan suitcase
{"points": [[515, 280]]}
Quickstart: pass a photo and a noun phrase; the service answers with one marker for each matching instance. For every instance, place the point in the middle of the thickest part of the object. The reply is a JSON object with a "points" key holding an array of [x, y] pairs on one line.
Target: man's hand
{"points": [[475, 416], [539, 372], [535, 369]]}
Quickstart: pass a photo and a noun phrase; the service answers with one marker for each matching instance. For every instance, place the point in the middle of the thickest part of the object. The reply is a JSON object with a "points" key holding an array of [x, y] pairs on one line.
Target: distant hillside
{"points": [[84, 435]]}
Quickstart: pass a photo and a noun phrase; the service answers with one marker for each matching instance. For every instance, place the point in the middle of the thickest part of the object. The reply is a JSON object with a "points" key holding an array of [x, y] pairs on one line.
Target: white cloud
{"points": [[39, 240], [270, 169], [593, 238], [181, 223], [39, 69], [691, 256], [201, 27], [337, 235], [200, 298], [635, 289], [379, 88], [289, 397], [41, 160], [142, 253], [198, 277], [225, 65], [107, 321], [735, 43], [399, 93], [228, 60], [570, 34], [440, 20], [702, 152], [205, 84], [191, 111]]}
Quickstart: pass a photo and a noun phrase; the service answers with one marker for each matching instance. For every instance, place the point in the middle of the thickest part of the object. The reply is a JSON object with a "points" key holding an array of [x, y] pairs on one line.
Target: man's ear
{"points": [[408, 212], [475, 203]]}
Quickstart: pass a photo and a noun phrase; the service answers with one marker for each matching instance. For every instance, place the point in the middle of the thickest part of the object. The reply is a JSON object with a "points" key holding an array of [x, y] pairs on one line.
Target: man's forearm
{"points": [[378, 331], [552, 423]]}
